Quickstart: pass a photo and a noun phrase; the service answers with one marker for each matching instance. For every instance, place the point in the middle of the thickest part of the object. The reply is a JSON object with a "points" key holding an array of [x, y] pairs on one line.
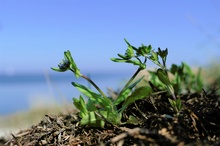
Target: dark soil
{"points": [[198, 123]]}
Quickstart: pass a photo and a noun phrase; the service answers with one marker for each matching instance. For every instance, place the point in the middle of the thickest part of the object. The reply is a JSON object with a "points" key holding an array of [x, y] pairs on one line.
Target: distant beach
{"points": [[19, 92]]}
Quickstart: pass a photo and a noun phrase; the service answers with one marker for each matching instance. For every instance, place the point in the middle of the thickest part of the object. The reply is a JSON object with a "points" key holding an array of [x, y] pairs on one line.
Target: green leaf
{"points": [[145, 50], [91, 105], [57, 69], [154, 56], [128, 54], [163, 76], [94, 97], [155, 82], [135, 83], [81, 106], [132, 120], [139, 93], [174, 69], [178, 104], [126, 92], [163, 53], [68, 56], [148, 49], [127, 42], [111, 117], [122, 56], [164, 79], [172, 103], [122, 96], [187, 69], [93, 120], [73, 66], [135, 62], [199, 81], [134, 48]]}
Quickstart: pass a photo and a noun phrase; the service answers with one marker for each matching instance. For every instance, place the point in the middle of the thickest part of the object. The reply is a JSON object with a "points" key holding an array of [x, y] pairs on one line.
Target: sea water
{"points": [[20, 92]]}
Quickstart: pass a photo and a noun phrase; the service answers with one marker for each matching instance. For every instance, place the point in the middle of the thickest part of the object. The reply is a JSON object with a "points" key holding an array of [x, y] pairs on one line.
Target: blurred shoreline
{"points": [[20, 92]]}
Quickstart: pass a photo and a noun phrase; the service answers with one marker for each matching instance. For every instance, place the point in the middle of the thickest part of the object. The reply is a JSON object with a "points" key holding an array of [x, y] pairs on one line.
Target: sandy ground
{"points": [[6, 132], [22, 120]]}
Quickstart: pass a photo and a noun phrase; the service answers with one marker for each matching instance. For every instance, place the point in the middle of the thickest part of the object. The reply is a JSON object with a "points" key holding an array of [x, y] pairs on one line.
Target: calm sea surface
{"points": [[20, 92]]}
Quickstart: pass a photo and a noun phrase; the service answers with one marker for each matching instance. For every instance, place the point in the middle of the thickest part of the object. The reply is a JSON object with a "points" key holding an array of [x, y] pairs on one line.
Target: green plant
{"points": [[109, 112], [159, 58], [185, 80]]}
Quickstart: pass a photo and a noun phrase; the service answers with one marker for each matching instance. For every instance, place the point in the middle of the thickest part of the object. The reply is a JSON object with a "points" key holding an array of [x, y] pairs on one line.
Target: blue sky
{"points": [[35, 33]]}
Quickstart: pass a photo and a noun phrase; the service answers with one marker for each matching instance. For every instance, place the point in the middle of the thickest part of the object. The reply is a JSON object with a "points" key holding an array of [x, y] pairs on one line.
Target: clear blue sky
{"points": [[35, 33]]}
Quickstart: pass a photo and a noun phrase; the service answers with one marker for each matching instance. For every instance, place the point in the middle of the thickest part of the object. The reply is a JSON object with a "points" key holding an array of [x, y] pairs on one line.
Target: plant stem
{"points": [[97, 88], [90, 81], [130, 81]]}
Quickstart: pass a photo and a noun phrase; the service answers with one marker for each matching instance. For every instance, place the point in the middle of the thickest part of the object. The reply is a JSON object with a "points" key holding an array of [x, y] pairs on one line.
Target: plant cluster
{"points": [[109, 112]]}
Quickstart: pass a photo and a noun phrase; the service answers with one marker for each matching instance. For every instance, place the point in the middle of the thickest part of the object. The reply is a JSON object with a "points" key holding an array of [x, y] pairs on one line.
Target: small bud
{"points": [[64, 64]]}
